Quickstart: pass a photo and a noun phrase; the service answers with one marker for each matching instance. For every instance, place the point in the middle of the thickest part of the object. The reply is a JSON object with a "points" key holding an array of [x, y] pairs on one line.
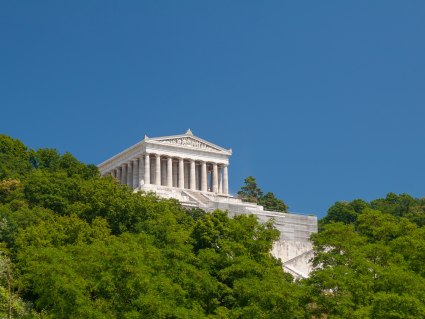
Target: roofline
{"points": [[122, 152], [147, 139], [190, 135]]}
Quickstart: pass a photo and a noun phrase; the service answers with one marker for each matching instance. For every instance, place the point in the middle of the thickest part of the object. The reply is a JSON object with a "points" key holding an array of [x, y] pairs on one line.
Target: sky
{"points": [[321, 101]]}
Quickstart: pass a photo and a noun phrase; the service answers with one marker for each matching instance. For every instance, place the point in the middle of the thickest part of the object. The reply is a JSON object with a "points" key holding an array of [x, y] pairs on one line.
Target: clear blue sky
{"points": [[320, 100]]}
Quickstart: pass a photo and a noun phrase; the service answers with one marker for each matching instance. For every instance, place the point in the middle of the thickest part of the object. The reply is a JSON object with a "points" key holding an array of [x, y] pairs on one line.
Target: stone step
{"points": [[202, 200]]}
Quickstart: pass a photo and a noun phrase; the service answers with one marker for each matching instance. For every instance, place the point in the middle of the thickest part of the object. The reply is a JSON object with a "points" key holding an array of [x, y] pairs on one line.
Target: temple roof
{"points": [[188, 140], [181, 141]]}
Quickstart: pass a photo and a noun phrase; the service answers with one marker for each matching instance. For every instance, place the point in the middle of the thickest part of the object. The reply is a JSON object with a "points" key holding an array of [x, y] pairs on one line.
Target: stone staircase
{"points": [[198, 197], [300, 266]]}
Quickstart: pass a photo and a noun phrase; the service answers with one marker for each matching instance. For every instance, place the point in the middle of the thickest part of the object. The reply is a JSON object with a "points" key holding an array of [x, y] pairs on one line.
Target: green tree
{"points": [[14, 158], [271, 202], [361, 271], [236, 252], [402, 205], [49, 159], [88, 247], [11, 305], [46, 158], [83, 246], [345, 212], [251, 192]]}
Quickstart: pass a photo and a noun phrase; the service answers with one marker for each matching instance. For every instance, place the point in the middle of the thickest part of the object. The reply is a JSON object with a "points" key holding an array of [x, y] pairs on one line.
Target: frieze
{"points": [[186, 141]]}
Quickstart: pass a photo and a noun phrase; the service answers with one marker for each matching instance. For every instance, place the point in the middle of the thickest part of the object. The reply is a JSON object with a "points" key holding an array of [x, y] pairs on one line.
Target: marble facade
{"points": [[180, 161]]}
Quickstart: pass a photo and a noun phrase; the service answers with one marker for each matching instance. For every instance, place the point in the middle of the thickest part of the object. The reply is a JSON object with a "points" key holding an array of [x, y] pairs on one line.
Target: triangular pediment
{"points": [[190, 141]]}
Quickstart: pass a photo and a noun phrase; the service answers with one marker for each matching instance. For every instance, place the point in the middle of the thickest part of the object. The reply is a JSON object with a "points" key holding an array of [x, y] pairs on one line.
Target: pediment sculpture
{"points": [[190, 142]]}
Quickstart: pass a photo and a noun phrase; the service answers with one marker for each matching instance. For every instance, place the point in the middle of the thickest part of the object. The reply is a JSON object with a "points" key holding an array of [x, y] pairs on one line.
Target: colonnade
{"points": [[178, 172]]}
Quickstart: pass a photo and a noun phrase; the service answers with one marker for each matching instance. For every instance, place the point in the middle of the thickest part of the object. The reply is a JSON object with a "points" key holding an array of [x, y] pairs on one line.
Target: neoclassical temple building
{"points": [[181, 162], [196, 172]]}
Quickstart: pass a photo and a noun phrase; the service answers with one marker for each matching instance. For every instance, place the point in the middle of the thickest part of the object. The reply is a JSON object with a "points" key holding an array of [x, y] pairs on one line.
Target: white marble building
{"points": [[196, 173], [172, 162]]}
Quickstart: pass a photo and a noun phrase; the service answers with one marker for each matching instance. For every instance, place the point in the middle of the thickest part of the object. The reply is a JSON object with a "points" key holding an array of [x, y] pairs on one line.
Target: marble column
{"points": [[130, 174], [192, 175], [141, 171], [175, 173], [181, 173], [197, 177], [158, 170], [215, 178], [124, 174], [147, 169], [135, 173], [119, 174], [163, 171], [187, 175], [169, 172], [220, 180], [203, 176], [225, 180]]}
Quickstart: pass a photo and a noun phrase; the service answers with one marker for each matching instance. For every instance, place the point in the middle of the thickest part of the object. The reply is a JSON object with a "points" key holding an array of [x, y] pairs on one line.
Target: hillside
{"points": [[75, 245]]}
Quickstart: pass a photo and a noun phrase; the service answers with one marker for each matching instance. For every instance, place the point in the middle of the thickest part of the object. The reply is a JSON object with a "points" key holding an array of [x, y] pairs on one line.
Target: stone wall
{"points": [[293, 247]]}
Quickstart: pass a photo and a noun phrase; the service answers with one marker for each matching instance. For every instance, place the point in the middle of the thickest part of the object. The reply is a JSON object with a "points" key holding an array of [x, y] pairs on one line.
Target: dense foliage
{"points": [[402, 205], [251, 192], [371, 259], [75, 245]]}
